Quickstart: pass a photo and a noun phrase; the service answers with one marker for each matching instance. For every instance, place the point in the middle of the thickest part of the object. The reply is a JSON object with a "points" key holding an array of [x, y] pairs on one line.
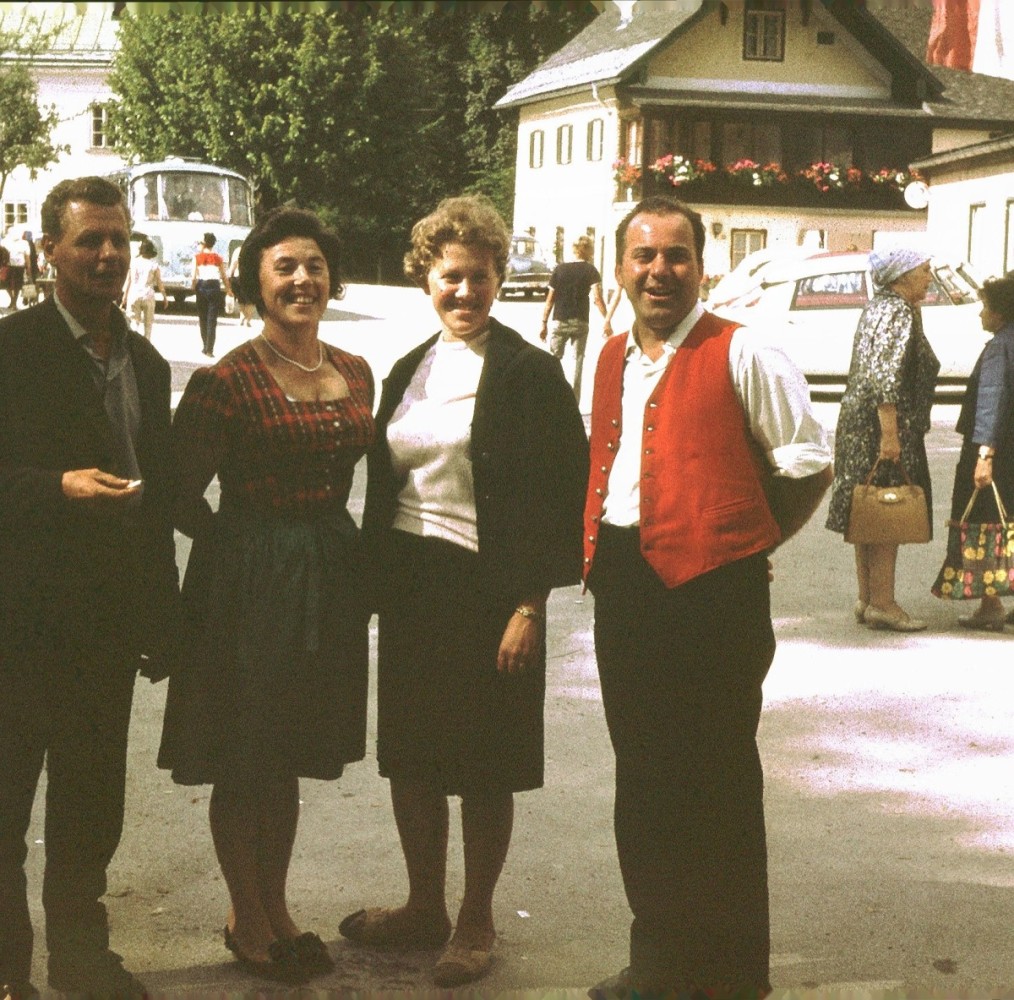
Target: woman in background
{"points": [[143, 278], [884, 417], [986, 425], [211, 285]]}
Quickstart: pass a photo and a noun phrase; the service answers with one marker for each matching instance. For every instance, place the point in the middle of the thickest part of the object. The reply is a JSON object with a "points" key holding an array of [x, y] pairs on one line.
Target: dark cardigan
{"points": [[529, 465]]}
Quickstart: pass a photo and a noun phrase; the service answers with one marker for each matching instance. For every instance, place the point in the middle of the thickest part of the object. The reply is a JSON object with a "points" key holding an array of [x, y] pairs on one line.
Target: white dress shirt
{"points": [[775, 399]]}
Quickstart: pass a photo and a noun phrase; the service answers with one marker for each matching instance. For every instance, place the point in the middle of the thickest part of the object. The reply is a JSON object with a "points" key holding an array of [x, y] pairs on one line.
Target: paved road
{"points": [[889, 794]]}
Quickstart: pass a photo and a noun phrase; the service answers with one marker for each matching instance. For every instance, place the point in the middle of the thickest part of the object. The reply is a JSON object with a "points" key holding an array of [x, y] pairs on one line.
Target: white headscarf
{"points": [[887, 266]]}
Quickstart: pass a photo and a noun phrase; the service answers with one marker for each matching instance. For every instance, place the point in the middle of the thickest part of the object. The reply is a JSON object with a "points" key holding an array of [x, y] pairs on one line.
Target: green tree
{"points": [[329, 109], [502, 50], [369, 118], [25, 127]]}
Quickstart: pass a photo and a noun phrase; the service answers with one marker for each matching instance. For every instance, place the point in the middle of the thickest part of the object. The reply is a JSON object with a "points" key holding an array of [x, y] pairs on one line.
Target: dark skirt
{"points": [[984, 509], [445, 716], [274, 672]]}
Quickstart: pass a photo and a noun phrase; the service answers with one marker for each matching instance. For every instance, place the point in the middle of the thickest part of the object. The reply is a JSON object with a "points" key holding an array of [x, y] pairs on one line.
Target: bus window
{"points": [[240, 209]]}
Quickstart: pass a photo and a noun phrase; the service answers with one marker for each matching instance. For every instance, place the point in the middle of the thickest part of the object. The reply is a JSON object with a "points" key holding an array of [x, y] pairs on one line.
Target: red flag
{"points": [[976, 35]]}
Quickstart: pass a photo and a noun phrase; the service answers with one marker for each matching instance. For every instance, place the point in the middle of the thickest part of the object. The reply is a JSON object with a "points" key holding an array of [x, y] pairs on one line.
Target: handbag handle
{"points": [[999, 505], [904, 471]]}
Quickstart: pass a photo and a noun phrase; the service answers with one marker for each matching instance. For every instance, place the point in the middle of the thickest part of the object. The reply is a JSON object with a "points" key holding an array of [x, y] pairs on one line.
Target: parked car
{"points": [[527, 270], [811, 306]]}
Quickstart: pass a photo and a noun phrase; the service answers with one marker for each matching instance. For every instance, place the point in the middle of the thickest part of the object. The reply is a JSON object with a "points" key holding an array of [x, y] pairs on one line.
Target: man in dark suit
{"points": [[89, 581]]}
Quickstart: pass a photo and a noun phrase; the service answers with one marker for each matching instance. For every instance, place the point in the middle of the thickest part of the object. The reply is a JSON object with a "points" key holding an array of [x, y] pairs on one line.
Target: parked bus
{"points": [[175, 202]]}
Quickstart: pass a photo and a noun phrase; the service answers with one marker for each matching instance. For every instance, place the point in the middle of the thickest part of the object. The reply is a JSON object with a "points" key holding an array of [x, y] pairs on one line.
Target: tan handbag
{"points": [[888, 515]]}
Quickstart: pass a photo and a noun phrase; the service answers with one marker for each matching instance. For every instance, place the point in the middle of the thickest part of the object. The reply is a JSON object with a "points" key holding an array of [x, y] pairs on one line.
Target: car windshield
{"points": [[951, 286], [525, 247], [839, 290]]}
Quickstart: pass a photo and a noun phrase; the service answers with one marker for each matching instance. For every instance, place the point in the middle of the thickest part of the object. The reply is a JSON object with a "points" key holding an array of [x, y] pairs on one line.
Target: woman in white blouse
{"points": [[473, 514]]}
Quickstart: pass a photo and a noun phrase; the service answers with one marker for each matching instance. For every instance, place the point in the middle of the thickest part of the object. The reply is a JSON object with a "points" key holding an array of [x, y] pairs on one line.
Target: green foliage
{"points": [[369, 118], [25, 127]]}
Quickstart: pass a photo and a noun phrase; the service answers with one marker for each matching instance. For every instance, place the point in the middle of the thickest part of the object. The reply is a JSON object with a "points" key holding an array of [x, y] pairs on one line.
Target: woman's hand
{"points": [[519, 645], [983, 472]]}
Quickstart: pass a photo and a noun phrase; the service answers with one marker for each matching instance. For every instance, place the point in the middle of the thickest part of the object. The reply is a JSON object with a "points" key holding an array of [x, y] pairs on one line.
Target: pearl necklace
{"points": [[310, 369]]}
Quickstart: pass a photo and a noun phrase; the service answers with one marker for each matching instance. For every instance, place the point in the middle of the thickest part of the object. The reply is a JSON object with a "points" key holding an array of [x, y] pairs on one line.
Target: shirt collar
{"points": [[79, 331], [674, 339]]}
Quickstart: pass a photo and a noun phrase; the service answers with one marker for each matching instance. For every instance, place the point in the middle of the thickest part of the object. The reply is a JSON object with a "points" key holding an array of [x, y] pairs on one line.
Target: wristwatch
{"points": [[985, 451]]}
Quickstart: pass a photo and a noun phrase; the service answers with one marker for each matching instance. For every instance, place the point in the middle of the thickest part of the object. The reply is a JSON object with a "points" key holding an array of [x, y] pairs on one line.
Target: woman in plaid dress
{"points": [[273, 682]]}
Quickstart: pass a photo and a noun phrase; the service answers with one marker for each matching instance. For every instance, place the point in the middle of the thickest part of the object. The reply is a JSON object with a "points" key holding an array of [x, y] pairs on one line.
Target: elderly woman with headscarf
{"points": [[884, 417]]}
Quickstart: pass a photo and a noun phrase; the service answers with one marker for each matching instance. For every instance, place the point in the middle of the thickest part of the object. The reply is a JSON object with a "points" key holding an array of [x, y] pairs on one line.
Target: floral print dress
{"points": [[892, 362]]}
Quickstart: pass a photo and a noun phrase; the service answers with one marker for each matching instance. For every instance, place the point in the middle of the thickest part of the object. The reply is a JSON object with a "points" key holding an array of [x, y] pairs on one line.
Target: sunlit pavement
{"points": [[889, 764]]}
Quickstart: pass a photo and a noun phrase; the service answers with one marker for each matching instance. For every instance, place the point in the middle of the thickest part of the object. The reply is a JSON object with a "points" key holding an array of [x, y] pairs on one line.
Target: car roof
{"points": [[804, 267]]}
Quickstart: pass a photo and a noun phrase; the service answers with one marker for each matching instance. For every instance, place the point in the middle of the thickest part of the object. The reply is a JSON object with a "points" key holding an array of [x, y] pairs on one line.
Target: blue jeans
{"points": [[209, 304]]}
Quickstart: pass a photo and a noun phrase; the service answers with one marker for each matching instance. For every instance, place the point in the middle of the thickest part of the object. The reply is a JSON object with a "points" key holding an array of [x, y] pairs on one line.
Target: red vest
{"points": [[702, 495]]}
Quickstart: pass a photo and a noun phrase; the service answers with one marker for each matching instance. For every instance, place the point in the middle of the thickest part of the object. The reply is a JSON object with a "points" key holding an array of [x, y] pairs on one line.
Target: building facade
{"points": [[785, 122], [72, 74]]}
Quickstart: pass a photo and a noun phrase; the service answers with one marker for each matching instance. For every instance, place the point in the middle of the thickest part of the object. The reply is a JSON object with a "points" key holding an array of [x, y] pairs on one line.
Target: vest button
{"points": [[591, 538], [650, 427], [615, 422], [599, 491], [587, 559], [595, 519], [611, 446], [649, 451], [604, 469]]}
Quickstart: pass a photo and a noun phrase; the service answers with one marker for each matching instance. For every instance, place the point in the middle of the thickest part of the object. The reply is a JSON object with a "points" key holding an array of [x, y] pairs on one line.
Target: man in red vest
{"points": [[705, 456]]}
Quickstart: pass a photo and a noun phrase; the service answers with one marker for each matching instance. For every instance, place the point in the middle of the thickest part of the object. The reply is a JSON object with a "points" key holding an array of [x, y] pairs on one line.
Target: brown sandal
{"points": [[460, 964], [380, 927]]}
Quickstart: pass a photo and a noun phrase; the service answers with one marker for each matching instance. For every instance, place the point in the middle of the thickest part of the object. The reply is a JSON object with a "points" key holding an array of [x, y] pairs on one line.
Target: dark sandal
{"points": [[312, 953], [283, 965], [378, 928]]}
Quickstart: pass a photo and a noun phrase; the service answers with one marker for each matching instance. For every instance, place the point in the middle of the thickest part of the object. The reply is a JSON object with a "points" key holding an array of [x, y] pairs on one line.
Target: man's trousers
{"points": [[681, 672], [75, 716]]}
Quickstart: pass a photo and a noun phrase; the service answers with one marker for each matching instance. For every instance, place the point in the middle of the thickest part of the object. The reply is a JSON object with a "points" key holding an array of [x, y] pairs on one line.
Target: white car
{"points": [[811, 307]]}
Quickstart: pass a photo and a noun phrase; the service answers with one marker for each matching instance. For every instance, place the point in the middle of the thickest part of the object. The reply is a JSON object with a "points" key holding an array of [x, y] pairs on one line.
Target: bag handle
{"points": [[904, 471], [999, 505]]}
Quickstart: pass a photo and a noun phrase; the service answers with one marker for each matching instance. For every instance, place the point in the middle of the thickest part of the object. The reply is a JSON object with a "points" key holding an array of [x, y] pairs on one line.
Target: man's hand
{"points": [[94, 484], [543, 332]]}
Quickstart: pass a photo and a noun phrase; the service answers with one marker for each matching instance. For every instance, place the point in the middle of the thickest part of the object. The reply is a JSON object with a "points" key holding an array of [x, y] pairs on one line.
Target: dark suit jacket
{"points": [[529, 467], [72, 573]]}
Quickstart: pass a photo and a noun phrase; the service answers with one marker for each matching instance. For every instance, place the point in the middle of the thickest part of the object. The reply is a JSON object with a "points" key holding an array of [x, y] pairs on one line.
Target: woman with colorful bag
{"points": [[884, 417], [986, 424]]}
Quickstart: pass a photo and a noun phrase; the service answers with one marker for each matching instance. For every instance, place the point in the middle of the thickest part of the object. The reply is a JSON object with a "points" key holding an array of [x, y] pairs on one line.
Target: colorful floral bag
{"points": [[980, 558]]}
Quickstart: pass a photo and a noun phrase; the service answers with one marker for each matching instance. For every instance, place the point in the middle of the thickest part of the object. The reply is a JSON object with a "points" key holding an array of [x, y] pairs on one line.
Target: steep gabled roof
{"points": [[85, 32], [606, 51], [966, 96]]}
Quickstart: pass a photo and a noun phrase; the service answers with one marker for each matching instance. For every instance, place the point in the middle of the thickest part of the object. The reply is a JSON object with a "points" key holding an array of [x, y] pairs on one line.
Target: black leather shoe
{"points": [[614, 988], [99, 974], [19, 991], [312, 953]]}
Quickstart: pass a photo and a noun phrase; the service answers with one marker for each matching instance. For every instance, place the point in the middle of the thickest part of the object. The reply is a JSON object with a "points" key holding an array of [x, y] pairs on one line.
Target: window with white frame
{"points": [[745, 241], [978, 239], [564, 144], [596, 128], [764, 30], [536, 145], [15, 214], [101, 134]]}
